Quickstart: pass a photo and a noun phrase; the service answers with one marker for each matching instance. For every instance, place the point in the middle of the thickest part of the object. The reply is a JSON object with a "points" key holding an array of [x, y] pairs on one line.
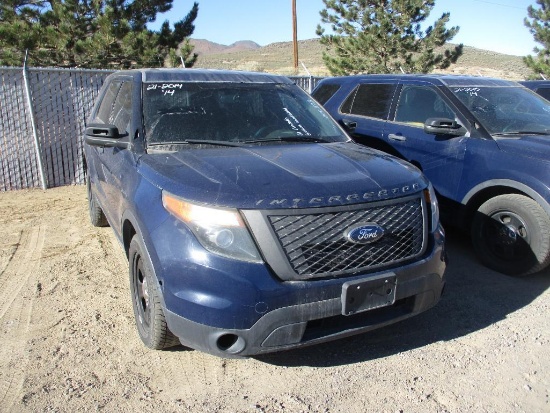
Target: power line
{"points": [[500, 4]]}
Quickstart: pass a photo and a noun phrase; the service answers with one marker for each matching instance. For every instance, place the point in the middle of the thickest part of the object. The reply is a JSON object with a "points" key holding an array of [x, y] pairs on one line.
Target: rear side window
{"points": [[373, 100], [324, 92]]}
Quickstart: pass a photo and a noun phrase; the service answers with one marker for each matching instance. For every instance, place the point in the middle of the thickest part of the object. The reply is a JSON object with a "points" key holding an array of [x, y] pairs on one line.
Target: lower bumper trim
{"points": [[306, 324]]}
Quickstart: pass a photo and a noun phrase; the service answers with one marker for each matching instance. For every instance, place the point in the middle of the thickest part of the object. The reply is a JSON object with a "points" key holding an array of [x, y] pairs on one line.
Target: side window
{"points": [[122, 108], [106, 106], [324, 92], [418, 103], [544, 92], [371, 100], [116, 106]]}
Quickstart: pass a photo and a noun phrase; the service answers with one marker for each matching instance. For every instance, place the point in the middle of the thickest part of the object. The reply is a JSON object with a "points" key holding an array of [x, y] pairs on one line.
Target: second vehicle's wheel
{"points": [[150, 320], [511, 234], [97, 217]]}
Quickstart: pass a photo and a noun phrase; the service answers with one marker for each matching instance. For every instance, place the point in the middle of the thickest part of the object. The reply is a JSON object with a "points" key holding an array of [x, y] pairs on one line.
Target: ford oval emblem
{"points": [[364, 233]]}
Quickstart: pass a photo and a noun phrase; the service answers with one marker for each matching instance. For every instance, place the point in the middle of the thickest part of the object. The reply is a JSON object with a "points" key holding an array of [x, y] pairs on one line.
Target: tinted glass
{"points": [[506, 110], [324, 92], [373, 100], [544, 92], [233, 112]]}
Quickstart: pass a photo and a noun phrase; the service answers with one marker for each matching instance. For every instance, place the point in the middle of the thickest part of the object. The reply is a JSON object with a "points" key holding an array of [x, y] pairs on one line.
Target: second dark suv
{"points": [[484, 144]]}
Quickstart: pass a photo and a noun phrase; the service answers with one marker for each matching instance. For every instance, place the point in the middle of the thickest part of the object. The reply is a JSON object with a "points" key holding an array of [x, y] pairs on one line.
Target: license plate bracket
{"points": [[363, 295]]}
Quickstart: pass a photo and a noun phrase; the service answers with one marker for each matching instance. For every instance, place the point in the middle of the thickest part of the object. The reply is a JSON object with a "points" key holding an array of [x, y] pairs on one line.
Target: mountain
{"points": [[278, 58], [204, 47]]}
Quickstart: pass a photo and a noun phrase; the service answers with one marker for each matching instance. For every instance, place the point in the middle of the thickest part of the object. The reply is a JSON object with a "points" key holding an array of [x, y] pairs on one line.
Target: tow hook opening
{"points": [[230, 343]]}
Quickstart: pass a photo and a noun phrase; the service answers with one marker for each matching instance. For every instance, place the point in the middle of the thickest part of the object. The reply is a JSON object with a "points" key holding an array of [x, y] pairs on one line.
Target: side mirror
{"points": [[104, 135], [443, 126]]}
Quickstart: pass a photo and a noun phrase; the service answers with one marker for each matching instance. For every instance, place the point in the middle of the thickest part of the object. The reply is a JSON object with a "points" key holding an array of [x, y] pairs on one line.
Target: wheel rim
{"points": [[507, 236], [141, 293]]}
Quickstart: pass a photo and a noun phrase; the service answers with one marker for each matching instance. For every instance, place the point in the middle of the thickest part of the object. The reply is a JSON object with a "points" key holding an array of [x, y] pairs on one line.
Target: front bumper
{"points": [[418, 287]]}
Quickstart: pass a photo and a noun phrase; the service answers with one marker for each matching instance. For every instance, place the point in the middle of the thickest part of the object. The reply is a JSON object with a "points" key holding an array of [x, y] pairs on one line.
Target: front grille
{"points": [[315, 246]]}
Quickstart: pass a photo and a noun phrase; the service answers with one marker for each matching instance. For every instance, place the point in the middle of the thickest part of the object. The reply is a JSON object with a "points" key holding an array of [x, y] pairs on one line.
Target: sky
{"points": [[495, 25]]}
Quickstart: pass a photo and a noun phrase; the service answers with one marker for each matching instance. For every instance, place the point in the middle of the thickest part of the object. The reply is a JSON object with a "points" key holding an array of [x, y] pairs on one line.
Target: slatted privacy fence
{"points": [[18, 157], [42, 114], [42, 121], [307, 83]]}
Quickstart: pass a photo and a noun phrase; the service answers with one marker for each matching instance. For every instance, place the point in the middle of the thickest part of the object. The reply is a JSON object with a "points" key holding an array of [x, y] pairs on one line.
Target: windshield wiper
{"points": [[522, 132], [288, 139], [196, 142]]}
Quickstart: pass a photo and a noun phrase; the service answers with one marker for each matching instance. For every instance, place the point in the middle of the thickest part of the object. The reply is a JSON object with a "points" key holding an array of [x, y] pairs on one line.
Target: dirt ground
{"points": [[68, 341]]}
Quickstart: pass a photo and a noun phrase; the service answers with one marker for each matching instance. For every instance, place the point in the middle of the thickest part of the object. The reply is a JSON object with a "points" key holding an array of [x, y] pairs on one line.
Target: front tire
{"points": [[149, 316], [511, 234]]}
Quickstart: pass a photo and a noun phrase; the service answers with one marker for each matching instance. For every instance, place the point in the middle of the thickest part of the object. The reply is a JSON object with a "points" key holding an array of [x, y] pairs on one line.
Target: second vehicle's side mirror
{"points": [[99, 134], [443, 126]]}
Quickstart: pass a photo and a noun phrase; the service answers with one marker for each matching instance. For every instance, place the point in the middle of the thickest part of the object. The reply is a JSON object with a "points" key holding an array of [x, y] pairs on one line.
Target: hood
{"points": [[532, 146], [281, 176]]}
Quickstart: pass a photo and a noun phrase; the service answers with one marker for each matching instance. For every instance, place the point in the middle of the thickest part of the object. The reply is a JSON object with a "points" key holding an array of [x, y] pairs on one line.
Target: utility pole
{"points": [[295, 36]]}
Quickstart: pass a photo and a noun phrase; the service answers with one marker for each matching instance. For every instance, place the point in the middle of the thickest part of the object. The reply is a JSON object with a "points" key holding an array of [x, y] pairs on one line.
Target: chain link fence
{"points": [[42, 121]]}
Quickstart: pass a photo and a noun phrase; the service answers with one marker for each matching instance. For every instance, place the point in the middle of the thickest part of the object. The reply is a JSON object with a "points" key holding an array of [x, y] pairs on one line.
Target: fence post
{"points": [[33, 123]]}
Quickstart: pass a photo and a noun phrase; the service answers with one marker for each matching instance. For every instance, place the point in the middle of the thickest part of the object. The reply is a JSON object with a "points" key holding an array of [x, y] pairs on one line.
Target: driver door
{"points": [[111, 164]]}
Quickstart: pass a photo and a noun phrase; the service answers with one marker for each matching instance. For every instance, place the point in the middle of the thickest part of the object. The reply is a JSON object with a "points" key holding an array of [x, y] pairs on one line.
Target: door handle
{"points": [[395, 137], [349, 124]]}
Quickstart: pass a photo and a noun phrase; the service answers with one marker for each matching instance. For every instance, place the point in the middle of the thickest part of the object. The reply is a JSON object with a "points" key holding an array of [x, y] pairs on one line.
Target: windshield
{"points": [[507, 110], [223, 113]]}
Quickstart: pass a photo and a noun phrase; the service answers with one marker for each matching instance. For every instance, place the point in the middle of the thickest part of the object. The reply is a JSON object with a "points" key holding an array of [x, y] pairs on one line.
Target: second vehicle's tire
{"points": [[149, 316], [511, 234], [97, 217]]}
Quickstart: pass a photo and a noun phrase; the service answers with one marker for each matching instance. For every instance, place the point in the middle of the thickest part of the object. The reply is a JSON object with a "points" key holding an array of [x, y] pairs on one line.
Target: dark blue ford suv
{"points": [[483, 143], [251, 222]]}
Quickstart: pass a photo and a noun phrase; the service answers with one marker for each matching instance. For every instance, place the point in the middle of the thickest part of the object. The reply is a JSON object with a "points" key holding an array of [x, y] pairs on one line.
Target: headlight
{"points": [[221, 231], [429, 195]]}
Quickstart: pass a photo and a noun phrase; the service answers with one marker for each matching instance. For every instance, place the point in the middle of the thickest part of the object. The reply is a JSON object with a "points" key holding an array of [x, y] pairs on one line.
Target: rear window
{"points": [[324, 92], [372, 100]]}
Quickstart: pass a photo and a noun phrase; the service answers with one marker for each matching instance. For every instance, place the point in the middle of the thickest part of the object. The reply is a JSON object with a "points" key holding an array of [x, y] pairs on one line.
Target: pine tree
{"points": [[384, 36], [92, 34], [538, 26]]}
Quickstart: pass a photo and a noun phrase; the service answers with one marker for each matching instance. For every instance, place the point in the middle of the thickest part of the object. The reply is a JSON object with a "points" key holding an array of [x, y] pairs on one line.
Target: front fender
{"points": [[541, 194]]}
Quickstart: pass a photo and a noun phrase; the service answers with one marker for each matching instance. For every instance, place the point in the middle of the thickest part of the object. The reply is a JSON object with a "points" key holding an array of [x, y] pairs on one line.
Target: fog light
{"points": [[222, 238]]}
